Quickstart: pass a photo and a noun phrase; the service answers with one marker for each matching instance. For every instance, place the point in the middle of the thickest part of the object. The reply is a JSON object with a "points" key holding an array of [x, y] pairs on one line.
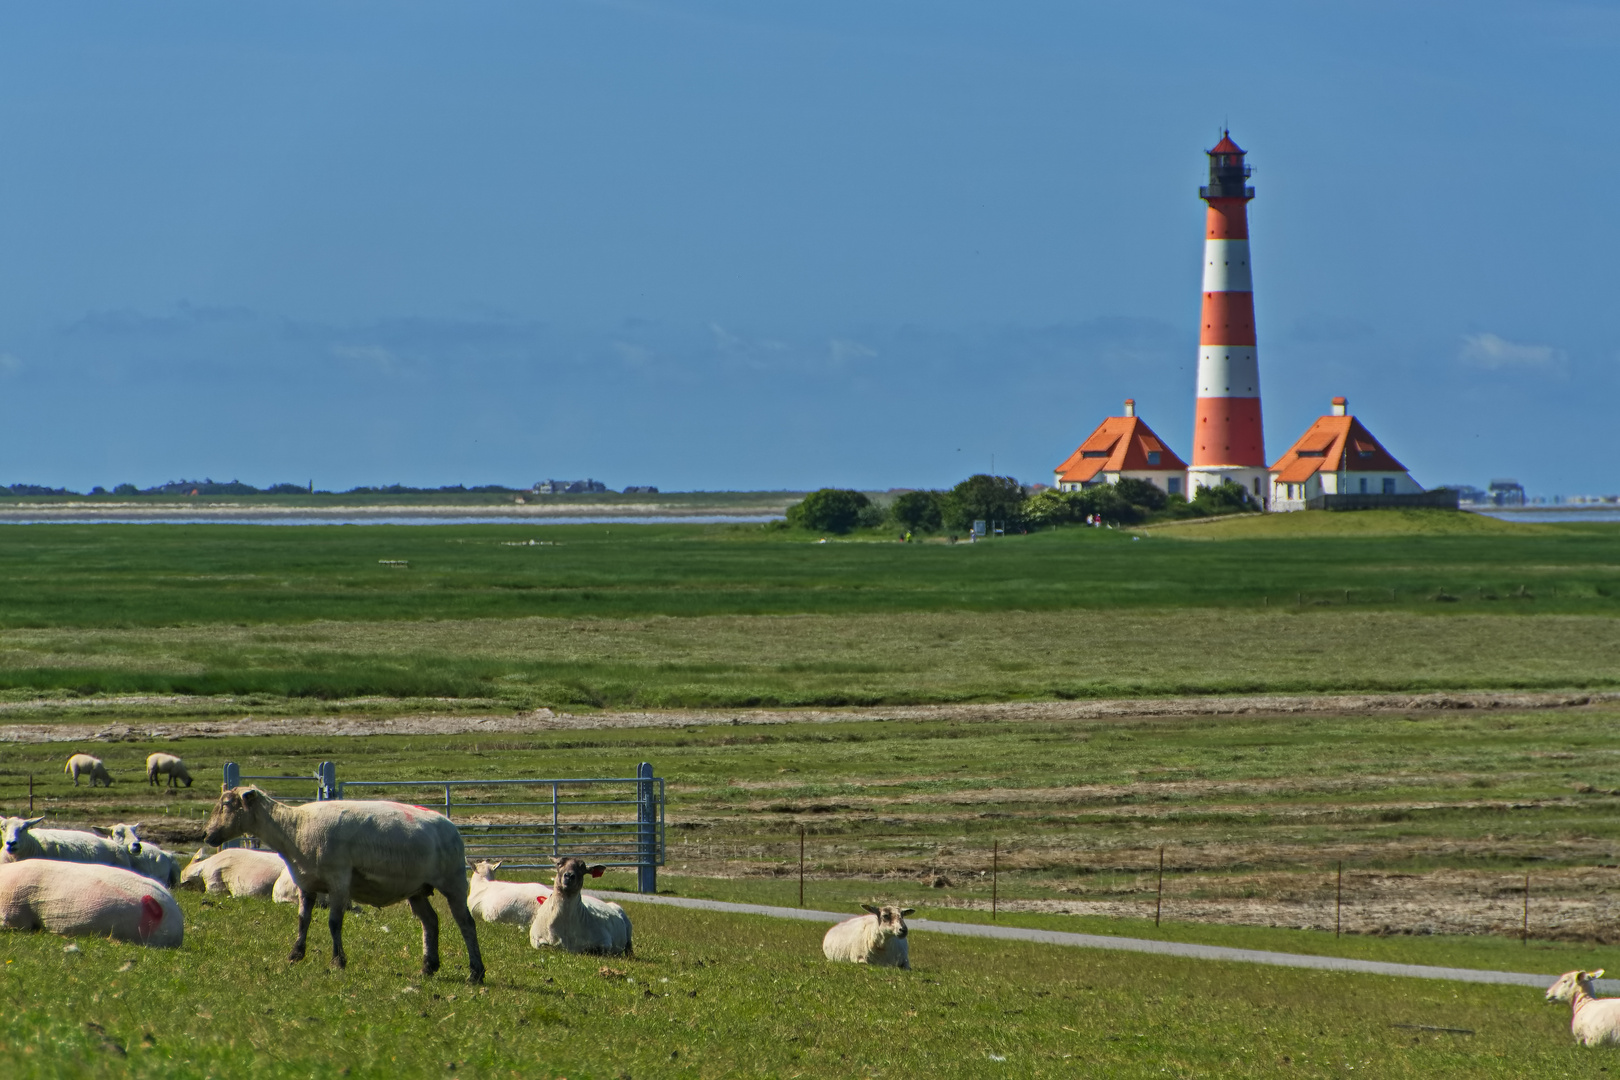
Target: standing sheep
{"points": [[878, 938], [237, 871], [100, 901], [84, 765], [569, 920], [146, 857], [378, 853], [1595, 1021], [503, 901], [23, 841], [166, 765]]}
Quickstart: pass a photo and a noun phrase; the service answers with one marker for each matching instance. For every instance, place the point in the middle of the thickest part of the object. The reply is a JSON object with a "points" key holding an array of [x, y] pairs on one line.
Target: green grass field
{"points": [[711, 995]]}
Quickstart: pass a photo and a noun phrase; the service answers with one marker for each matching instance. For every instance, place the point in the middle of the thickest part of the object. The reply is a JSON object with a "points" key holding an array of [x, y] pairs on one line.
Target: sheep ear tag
{"points": [[596, 871]]}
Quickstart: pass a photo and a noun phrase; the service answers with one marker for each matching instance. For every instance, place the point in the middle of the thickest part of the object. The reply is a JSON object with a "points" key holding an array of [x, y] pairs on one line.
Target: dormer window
{"points": [[1313, 453], [1094, 453], [1153, 457]]}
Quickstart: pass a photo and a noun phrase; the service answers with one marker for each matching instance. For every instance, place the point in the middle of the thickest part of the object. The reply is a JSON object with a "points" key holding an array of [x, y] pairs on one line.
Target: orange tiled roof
{"points": [[1120, 444], [1334, 444]]}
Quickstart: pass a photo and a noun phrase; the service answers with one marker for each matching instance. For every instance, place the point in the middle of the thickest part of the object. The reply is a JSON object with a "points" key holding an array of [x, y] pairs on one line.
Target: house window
{"points": [[1364, 485], [1174, 485], [1257, 485], [1389, 485], [1153, 457]]}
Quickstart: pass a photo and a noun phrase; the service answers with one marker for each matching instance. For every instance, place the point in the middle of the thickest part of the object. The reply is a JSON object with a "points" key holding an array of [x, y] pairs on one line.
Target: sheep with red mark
{"points": [[877, 938], [514, 902], [166, 765], [237, 872], [23, 840], [1594, 1021], [571, 921], [376, 853], [84, 765], [85, 899]]}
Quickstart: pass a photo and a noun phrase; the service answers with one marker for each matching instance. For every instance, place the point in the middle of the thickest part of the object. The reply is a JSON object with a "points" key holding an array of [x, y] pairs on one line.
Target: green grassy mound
{"points": [[1351, 524]]}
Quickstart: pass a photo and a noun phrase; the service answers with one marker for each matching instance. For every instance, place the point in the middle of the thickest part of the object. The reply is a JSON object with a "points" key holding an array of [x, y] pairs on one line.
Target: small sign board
{"points": [[978, 528]]}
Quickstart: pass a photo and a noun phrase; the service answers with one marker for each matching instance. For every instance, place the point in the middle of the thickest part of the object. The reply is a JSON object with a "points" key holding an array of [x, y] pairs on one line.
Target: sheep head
{"points": [[571, 875], [1565, 988], [234, 814], [16, 837], [485, 868], [128, 836], [891, 921]]}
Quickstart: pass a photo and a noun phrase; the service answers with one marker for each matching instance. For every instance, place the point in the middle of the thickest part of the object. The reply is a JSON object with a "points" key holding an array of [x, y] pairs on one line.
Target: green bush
{"points": [[918, 511], [1227, 498], [834, 510], [1141, 493], [984, 498]]}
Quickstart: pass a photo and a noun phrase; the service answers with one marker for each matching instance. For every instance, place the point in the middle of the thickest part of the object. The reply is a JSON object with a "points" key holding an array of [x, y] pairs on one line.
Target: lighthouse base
{"points": [[1253, 480]]}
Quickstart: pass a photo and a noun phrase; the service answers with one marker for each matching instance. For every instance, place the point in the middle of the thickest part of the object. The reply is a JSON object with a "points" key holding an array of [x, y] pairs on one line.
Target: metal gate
{"points": [[526, 823]]}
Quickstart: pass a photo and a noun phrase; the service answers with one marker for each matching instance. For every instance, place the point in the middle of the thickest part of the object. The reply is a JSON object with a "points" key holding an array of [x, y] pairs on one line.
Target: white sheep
{"points": [[1596, 1020], [375, 852], [878, 938], [23, 841], [166, 765], [146, 857], [81, 899], [238, 872], [571, 921], [514, 902], [84, 765]]}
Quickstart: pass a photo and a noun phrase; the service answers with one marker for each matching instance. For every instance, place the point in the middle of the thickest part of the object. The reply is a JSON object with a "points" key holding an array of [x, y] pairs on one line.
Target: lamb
{"points": [[89, 900], [146, 857], [84, 765], [166, 765], [878, 938], [503, 901], [23, 841], [375, 852], [237, 871], [567, 919], [1595, 1021]]}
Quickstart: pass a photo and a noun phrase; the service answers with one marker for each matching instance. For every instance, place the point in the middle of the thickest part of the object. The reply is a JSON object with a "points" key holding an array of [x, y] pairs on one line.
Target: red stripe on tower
{"points": [[1228, 441]]}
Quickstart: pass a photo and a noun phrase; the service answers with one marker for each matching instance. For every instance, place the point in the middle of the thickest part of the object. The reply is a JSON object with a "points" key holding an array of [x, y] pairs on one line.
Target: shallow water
{"points": [[1553, 514], [353, 517]]}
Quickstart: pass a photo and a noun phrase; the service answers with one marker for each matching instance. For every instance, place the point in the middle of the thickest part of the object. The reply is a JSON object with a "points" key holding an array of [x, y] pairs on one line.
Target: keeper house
{"points": [[1336, 458], [1122, 446]]}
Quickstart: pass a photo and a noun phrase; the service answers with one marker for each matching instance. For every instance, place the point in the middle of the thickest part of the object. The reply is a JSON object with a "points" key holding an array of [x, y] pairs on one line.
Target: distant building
{"points": [[1337, 456], [568, 487], [641, 489], [1122, 447], [1507, 493]]}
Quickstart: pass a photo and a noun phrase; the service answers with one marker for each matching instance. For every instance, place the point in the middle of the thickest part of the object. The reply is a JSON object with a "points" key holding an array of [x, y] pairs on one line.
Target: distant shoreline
{"points": [[198, 511]]}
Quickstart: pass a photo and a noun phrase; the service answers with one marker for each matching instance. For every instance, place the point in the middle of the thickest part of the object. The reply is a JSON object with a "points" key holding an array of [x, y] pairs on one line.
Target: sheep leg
{"points": [[469, 934], [337, 905], [422, 908], [306, 910]]}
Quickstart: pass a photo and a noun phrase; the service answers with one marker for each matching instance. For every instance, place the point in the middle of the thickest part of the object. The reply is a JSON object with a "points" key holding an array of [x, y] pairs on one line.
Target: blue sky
{"points": [[777, 245]]}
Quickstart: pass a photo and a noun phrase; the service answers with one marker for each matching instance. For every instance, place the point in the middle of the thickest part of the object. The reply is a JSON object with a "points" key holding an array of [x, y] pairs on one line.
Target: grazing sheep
{"points": [[567, 919], [23, 841], [878, 938], [1596, 1021], [166, 765], [146, 857], [238, 872], [375, 852], [503, 901], [80, 899], [84, 765]]}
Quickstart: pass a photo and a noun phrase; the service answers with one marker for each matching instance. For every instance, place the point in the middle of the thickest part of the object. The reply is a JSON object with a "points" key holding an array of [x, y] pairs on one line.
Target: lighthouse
{"points": [[1228, 443]]}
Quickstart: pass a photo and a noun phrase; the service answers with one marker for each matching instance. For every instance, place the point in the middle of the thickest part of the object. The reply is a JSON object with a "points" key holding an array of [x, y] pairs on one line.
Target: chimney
{"points": [[1130, 406], [1339, 406]]}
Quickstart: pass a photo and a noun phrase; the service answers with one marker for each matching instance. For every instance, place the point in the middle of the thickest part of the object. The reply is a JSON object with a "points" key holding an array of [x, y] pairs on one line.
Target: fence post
{"points": [[801, 866], [326, 782], [1338, 901], [1158, 902], [233, 776], [995, 873], [647, 829]]}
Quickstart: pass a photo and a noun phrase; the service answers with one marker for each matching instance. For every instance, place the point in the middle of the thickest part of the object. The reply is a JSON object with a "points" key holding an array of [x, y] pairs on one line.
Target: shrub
{"points": [[1227, 498], [1141, 493], [834, 510], [984, 498], [918, 511]]}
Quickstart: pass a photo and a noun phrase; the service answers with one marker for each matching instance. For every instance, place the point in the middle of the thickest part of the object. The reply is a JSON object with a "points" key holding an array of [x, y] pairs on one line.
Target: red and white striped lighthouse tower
{"points": [[1228, 443]]}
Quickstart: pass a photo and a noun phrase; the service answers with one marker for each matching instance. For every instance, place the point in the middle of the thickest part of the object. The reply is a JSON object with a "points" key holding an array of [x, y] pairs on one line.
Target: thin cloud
{"points": [[1494, 353]]}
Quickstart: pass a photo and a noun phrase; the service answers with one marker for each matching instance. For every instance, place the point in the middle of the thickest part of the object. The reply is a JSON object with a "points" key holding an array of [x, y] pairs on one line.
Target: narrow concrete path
{"points": [[1125, 944]]}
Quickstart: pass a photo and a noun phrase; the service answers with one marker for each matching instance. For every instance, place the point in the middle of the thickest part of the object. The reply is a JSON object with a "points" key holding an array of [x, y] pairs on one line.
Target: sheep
{"points": [[503, 901], [237, 871], [1595, 1021], [23, 841], [878, 938], [567, 919], [84, 765], [166, 765], [375, 852], [89, 900], [146, 857]]}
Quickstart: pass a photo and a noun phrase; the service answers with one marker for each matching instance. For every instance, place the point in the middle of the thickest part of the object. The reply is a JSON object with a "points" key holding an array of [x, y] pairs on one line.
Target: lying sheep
{"points": [[238, 872], [146, 857], [80, 899], [84, 765], [375, 852], [571, 921], [23, 841], [1596, 1021], [503, 901], [166, 765], [878, 938]]}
